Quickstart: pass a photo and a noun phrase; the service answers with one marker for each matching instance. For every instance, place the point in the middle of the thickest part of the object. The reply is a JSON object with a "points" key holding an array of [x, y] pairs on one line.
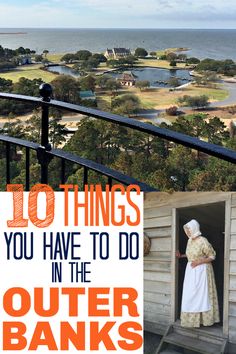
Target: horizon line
{"points": [[121, 28]]}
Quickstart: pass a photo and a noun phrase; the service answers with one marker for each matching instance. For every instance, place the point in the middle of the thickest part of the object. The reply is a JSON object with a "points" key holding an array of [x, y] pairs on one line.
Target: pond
{"points": [[63, 70], [158, 77]]}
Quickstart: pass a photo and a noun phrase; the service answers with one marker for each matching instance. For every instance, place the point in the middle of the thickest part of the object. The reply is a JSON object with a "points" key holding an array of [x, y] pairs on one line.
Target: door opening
{"points": [[212, 222]]}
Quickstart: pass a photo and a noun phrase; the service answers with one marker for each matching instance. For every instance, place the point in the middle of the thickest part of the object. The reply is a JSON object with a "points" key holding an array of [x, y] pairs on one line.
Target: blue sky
{"points": [[118, 13]]}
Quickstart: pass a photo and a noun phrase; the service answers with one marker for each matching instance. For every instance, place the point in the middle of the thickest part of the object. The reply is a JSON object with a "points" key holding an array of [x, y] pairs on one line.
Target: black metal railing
{"points": [[45, 153]]}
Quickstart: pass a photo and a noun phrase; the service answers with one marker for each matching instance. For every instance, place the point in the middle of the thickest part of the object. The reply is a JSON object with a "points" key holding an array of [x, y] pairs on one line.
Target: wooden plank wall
{"points": [[232, 273], [157, 268]]}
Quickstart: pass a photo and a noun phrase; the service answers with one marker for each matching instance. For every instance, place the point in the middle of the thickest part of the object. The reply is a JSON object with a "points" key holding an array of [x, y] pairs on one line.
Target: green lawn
{"points": [[161, 98], [55, 58], [156, 63], [29, 72], [217, 94]]}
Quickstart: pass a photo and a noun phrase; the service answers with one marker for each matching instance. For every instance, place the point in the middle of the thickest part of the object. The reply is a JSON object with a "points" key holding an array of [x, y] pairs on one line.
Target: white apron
{"points": [[195, 289]]}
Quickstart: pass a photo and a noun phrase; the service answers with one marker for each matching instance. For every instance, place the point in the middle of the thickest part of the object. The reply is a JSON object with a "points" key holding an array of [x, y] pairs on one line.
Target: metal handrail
{"points": [[170, 135], [88, 164], [103, 170]]}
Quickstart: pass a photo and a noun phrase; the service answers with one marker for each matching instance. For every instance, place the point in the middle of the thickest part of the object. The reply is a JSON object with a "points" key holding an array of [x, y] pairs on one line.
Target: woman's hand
{"points": [[201, 261], [178, 254], [194, 264]]}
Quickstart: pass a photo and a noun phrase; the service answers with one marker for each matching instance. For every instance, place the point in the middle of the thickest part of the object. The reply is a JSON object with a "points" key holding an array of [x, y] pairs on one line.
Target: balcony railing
{"points": [[45, 153]]}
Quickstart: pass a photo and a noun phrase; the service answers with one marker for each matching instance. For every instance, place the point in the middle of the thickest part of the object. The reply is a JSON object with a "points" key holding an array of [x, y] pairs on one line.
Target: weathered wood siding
{"points": [[157, 266], [232, 272], [159, 274]]}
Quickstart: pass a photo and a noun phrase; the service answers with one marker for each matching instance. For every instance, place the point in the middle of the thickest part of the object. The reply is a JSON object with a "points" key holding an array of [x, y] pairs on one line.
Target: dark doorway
{"points": [[212, 221]]}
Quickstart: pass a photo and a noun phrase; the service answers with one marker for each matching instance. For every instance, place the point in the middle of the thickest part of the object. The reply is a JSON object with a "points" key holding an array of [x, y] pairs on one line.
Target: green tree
{"points": [[57, 132], [113, 63], [99, 57], [216, 131], [127, 61], [6, 65], [225, 67], [83, 55], [2, 52], [173, 63], [20, 51], [206, 78], [193, 60], [6, 85], [45, 52], [195, 102], [112, 85], [198, 125], [153, 54], [160, 179], [182, 57], [14, 128], [218, 176], [171, 56], [140, 53], [24, 87], [126, 104], [101, 80], [68, 58], [142, 84], [174, 82], [181, 164], [27, 87], [93, 178], [89, 64], [33, 127], [66, 88], [124, 163], [163, 57], [87, 83], [93, 140], [38, 58]]}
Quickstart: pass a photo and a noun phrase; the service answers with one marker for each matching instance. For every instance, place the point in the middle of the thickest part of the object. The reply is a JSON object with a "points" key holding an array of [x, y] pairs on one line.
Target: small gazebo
{"points": [[127, 79]]}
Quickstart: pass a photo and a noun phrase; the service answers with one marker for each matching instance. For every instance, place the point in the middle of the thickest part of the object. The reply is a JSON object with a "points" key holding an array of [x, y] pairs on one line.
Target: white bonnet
{"points": [[193, 227]]}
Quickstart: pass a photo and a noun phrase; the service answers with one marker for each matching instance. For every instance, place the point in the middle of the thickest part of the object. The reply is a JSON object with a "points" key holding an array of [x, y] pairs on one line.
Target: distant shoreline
{"points": [[13, 33], [215, 44]]}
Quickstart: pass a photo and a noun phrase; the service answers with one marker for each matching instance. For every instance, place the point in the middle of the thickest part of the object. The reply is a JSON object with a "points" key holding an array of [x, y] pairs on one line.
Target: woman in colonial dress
{"points": [[199, 299]]}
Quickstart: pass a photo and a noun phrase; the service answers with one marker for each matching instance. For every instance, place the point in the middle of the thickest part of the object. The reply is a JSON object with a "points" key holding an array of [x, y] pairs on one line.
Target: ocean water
{"points": [[217, 44]]}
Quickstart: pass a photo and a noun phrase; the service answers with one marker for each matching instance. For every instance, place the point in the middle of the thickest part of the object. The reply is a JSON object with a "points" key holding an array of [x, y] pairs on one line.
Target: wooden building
{"points": [[24, 59], [164, 217], [87, 95], [127, 79], [117, 53]]}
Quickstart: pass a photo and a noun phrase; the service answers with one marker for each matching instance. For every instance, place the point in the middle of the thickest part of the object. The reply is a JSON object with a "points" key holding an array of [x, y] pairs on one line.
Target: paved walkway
{"points": [[153, 114], [231, 99]]}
